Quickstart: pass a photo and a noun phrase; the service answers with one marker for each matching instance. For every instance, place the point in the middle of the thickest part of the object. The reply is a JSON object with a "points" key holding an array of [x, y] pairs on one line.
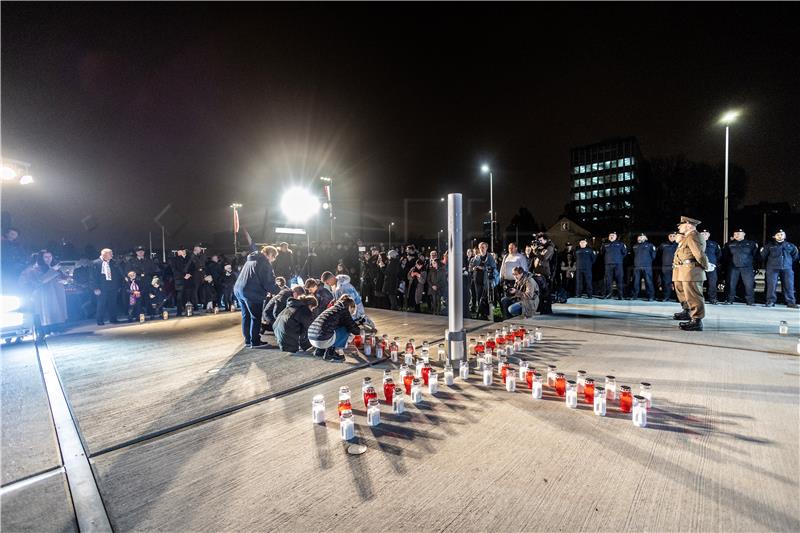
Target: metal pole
{"points": [[491, 213], [455, 334], [390, 237], [764, 230], [150, 240], [163, 246], [438, 241], [330, 204], [725, 214]]}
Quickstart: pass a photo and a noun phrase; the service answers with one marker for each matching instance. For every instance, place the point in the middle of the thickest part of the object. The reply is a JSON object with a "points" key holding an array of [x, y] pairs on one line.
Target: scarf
{"points": [[134, 288]]}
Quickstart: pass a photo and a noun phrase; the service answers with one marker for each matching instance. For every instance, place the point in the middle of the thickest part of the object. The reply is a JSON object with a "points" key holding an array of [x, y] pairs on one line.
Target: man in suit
{"points": [[106, 279], [690, 263]]}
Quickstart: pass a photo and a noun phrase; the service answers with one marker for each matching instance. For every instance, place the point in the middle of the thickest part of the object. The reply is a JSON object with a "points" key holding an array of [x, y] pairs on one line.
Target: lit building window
{"points": [[627, 203], [607, 164], [633, 161], [621, 162], [627, 161], [608, 192], [614, 164]]}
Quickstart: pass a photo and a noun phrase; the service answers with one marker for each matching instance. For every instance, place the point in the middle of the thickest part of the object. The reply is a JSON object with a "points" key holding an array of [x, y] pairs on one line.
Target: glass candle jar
{"points": [[358, 341], [394, 349], [141, 315], [783, 327], [611, 388], [537, 335], [449, 376], [398, 402], [646, 391], [572, 395], [491, 345], [388, 390], [510, 335], [517, 344], [408, 380], [551, 375], [523, 368], [410, 346], [408, 359], [433, 382], [487, 375], [441, 354], [529, 377], [536, 386], [318, 409], [625, 399], [387, 374], [480, 350], [369, 394], [426, 355], [368, 346], [165, 315], [418, 368], [561, 384], [347, 425], [385, 342], [488, 358], [511, 382], [373, 412], [599, 401], [379, 351], [366, 382], [416, 390], [426, 372], [579, 379], [588, 391], [471, 347], [426, 346], [639, 411], [344, 400], [463, 369], [502, 363]]}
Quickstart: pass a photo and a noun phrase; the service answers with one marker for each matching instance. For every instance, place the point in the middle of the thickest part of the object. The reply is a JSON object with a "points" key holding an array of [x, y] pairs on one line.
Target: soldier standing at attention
{"points": [[667, 251], [584, 260], [614, 253], [741, 256], [644, 253], [779, 256], [714, 254], [690, 273]]}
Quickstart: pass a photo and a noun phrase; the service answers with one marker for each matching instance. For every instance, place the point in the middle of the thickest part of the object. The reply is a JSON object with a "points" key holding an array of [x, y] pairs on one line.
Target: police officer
{"points": [[614, 253], [714, 254], [779, 256], [741, 257], [144, 267], [195, 274], [584, 259], [667, 251], [178, 266], [644, 253], [690, 265]]}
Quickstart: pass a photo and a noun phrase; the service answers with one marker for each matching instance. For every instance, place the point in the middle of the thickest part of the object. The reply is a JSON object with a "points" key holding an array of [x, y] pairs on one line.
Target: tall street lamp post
{"points": [[728, 118], [486, 170], [390, 235]]}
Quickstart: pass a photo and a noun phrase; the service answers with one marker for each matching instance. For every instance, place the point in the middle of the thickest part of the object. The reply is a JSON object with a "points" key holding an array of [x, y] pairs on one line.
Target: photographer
{"points": [[483, 269], [523, 298]]}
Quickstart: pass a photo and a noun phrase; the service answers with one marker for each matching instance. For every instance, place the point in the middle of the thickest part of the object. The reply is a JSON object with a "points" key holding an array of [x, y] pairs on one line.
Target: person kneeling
{"points": [[523, 299], [291, 326], [331, 329]]}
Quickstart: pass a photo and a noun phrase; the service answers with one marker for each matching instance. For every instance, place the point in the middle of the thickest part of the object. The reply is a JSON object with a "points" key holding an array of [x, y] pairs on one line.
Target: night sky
{"points": [[124, 108]]}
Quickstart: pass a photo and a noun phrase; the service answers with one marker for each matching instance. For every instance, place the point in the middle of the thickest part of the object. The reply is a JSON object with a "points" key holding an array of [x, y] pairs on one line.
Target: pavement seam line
{"points": [[90, 510], [30, 480]]}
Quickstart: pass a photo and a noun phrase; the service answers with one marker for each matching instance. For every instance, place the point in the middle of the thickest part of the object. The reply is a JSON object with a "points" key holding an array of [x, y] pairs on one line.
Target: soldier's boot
{"points": [[683, 315], [694, 324]]}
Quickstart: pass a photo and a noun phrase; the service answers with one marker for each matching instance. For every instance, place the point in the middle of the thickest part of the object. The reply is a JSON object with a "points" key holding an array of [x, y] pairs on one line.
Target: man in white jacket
{"points": [[511, 260]]}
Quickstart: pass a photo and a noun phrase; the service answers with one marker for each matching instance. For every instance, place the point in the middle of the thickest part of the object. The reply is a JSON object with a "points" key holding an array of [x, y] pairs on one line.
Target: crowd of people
{"points": [[516, 283]]}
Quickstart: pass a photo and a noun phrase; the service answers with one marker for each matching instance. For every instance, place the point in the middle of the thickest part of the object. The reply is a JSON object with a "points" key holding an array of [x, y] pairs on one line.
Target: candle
{"points": [[463, 369], [441, 355], [344, 400], [551, 375], [387, 374], [599, 401], [639, 411], [408, 359], [366, 382], [369, 394], [611, 388], [347, 425], [491, 344], [318, 409], [523, 368], [646, 391], [502, 366], [394, 349], [141, 316], [367, 349], [165, 315], [529, 377], [537, 335], [388, 390], [783, 327], [561, 384], [416, 391], [410, 346], [433, 382], [536, 386], [511, 382], [572, 395], [426, 372], [357, 342], [487, 375], [579, 379], [449, 377], [373, 412], [517, 345], [588, 391], [625, 399], [408, 380], [398, 402], [379, 351], [471, 347], [527, 340]]}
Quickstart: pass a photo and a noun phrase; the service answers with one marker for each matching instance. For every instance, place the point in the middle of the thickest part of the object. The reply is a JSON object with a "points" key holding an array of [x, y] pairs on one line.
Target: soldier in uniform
{"points": [[178, 266], [667, 251], [584, 260], [144, 267], [741, 257], [614, 253], [644, 253], [690, 273], [714, 254], [779, 256]]}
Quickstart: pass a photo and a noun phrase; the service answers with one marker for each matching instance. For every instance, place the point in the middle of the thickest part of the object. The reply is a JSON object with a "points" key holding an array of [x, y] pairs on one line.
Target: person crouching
{"points": [[331, 329], [291, 325]]}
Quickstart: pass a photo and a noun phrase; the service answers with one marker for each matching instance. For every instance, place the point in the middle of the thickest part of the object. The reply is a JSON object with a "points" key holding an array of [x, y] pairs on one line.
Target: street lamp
{"points": [[390, 235], [486, 170], [728, 118]]}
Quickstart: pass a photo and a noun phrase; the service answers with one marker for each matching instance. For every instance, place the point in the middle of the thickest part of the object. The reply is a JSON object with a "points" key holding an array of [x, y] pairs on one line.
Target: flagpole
{"points": [[235, 207]]}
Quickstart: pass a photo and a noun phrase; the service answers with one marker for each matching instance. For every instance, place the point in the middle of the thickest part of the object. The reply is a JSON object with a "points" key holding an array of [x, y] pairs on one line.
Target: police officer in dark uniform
{"points": [[196, 272], [741, 255], [614, 253], [667, 251], [144, 267], [779, 256], [178, 265], [584, 259], [714, 254], [644, 253]]}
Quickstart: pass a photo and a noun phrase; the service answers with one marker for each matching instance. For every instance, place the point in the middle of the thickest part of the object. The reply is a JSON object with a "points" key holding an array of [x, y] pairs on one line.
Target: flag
{"points": [[235, 221]]}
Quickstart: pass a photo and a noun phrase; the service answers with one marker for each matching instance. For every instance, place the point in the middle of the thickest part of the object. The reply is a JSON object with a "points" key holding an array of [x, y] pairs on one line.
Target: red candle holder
{"points": [[588, 391], [490, 345], [529, 378], [504, 371], [426, 373], [369, 393], [625, 399], [357, 341], [561, 384], [407, 380], [388, 390]]}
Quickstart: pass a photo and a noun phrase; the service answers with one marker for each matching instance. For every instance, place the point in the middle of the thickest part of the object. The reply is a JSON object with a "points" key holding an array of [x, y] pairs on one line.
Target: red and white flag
{"points": [[235, 221]]}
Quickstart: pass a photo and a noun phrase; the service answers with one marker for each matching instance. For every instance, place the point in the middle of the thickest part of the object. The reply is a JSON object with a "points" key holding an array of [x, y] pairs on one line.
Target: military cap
{"points": [[778, 231], [140, 247], [739, 231], [689, 220], [612, 232], [583, 239], [642, 234]]}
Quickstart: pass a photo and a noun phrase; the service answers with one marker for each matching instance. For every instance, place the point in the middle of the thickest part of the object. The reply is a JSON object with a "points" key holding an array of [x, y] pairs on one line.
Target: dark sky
{"points": [[124, 108]]}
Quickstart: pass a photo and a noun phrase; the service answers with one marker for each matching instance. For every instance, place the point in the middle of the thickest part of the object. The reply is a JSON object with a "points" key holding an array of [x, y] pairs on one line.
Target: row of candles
{"points": [[424, 375]]}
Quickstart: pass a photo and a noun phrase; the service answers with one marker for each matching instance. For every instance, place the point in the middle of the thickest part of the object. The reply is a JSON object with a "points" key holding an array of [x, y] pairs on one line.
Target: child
{"points": [[134, 296], [228, 281]]}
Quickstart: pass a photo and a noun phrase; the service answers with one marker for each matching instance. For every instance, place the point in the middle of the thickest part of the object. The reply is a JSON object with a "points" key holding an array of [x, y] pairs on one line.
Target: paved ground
{"points": [[721, 452]]}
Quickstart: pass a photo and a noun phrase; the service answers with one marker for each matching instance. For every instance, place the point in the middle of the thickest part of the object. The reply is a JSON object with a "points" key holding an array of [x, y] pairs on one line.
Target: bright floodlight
{"points": [[729, 117], [8, 173], [298, 204], [484, 168], [27, 179]]}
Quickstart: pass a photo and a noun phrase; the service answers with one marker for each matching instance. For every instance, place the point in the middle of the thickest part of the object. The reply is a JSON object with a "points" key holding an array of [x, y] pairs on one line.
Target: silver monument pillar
{"points": [[455, 334]]}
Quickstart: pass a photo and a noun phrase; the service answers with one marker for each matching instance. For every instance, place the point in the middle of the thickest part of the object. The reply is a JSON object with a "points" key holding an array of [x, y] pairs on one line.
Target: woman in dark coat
{"points": [[416, 284], [45, 282], [291, 325], [331, 329], [391, 279]]}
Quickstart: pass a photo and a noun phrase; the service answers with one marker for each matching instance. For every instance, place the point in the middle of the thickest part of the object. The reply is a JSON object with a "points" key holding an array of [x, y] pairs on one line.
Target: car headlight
{"points": [[9, 303]]}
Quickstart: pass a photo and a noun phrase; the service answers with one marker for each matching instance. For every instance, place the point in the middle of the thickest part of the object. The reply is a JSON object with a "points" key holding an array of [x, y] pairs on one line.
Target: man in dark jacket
{"points": [[667, 252], [284, 264], [195, 274], [227, 281], [324, 294], [584, 260], [214, 269], [644, 253], [144, 267], [741, 255], [106, 282], [291, 326], [331, 329], [779, 256], [277, 304], [255, 282], [714, 254], [391, 278], [614, 253], [177, 265]]}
